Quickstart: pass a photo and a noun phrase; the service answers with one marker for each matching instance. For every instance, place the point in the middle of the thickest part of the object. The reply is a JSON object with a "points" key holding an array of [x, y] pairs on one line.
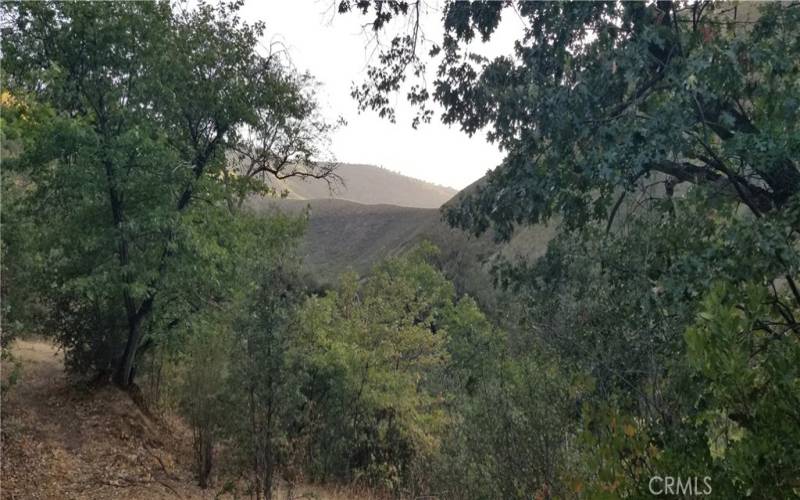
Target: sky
{"points": [[333, 48]]}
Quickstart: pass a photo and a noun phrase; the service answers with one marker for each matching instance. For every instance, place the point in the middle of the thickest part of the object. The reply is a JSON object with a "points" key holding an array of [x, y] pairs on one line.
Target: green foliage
{"points": [[378, 346], [600, 95], [362, 384], [748, 359], [267, 363], [21, 308], [619, 307], [201, 382], [511, 431], [159, 122], [657, 336], [232, 372], [664, 137], [415, 391]]}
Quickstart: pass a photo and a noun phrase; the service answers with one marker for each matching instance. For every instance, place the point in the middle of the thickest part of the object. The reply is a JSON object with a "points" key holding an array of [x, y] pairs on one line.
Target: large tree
{"points": [[598, 95], [157, 116], [683, 116]]}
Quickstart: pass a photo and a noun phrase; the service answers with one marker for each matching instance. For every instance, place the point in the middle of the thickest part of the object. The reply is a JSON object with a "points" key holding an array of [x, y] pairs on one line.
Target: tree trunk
{"points": [[254, 434], [124, 375], [205, 465], [268, 473]]}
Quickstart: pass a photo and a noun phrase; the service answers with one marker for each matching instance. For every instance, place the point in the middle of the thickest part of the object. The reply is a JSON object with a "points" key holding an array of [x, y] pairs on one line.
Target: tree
{"points": [[268, 359], [19, 302], [148, 99], [201, 387], [599, 95], [692, 106], [375, 374], [620, 310], [748, 360]]}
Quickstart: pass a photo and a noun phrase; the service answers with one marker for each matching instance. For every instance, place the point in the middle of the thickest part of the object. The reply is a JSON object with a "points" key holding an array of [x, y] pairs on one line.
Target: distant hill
{"points": [[370, 185], [343, 235], [379, 214]]}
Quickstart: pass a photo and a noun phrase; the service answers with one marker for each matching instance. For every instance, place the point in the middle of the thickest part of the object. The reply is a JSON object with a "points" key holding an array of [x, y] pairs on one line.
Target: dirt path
{"points": [[64, 442]]}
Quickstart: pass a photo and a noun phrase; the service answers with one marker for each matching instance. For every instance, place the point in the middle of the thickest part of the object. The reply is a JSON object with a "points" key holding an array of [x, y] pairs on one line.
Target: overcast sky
{"points": [[332, 48]]}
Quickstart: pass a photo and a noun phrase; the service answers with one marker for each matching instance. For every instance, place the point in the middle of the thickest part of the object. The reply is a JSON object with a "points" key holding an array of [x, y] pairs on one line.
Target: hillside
{"points": [[64, 438], [377, 214], [368, 184], [347, 236]]}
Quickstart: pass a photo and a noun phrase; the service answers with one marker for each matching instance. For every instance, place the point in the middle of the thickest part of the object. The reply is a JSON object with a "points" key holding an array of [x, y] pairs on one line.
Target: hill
{"points": [[347, 236], [370, 185]]}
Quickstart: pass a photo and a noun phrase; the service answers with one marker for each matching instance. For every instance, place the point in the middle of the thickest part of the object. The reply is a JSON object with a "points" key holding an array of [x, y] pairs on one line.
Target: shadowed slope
{"points": [[346, 236]]}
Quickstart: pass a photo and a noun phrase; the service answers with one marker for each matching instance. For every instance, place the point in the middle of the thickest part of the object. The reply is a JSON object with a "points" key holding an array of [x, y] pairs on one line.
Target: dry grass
{"points": [[346, 236], [66, 440], [369, 185], [62, 440]]}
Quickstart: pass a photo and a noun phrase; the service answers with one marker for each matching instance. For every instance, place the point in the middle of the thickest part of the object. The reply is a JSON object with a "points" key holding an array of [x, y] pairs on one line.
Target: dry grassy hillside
{"points": [[343, 236], [369, 185], [64, 439], [346, 235]]}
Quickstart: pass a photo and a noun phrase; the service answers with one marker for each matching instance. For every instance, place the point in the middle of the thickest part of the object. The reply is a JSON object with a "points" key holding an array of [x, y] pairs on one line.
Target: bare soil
{"points": [[68, 440], [62, 439]]}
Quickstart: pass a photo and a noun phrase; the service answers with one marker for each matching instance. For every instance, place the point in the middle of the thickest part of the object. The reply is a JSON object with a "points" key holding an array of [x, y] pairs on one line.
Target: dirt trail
{"points": [[64, 442]]}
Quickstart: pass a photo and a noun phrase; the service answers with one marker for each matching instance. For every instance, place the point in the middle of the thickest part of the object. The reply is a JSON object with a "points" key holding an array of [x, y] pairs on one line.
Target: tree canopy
{"points": [[598, 95], [662, 139], [153, 119]]}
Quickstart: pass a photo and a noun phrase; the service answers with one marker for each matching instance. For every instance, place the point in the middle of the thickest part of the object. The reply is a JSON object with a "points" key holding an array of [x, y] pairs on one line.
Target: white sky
{"points": [[332, 48]]}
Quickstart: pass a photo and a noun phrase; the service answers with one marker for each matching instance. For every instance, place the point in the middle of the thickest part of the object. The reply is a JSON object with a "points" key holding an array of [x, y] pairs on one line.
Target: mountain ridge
{"points": [[369, 185]]}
